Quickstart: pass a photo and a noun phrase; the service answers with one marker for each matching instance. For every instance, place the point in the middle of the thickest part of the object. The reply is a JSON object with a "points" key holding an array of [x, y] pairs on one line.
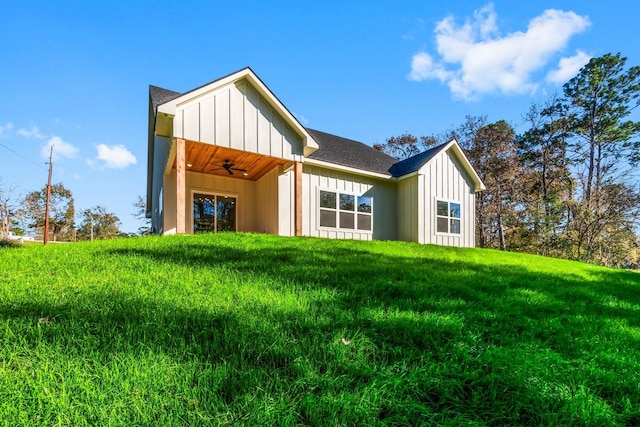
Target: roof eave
{"points": [[335, 166]]}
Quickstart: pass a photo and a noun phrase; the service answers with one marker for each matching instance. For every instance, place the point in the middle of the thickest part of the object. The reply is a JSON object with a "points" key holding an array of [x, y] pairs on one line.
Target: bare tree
{"points": [[8, 208]]}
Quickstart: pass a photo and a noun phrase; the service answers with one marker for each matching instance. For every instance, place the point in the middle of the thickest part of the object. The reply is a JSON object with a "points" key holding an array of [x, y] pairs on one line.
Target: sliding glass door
{"points": [[212, 213]]}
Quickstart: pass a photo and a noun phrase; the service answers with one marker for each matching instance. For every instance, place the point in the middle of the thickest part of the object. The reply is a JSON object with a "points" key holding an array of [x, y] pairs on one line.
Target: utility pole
{"points": [[46, 214]]}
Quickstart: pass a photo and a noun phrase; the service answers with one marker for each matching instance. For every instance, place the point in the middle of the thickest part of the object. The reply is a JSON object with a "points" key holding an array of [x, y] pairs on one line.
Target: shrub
{"points": [[4, 243]]}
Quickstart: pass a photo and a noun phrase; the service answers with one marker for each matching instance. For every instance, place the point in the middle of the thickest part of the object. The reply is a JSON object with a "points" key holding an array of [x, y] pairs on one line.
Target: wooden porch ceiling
{"points": [[207, 158]]}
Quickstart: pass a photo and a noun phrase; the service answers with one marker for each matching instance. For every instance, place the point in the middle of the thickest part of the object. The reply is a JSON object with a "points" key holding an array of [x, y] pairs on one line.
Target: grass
{"points": [[261, 330]]}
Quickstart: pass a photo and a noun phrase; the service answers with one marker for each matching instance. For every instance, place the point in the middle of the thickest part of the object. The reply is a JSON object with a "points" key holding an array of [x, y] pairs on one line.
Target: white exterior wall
{"points": [[161, 149], [408, 209], [236, 116], [169, 199], [266, 203], [315, 179], [444, 179], [286, 204]]}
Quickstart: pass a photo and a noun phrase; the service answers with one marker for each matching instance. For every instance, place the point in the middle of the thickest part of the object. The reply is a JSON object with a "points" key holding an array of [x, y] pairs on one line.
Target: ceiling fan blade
{"points": [[229, 170], [239, 170]]}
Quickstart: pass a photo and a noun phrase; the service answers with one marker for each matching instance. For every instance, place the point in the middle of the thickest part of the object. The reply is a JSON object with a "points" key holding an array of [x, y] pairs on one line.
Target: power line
{"points": [[23, 157]]}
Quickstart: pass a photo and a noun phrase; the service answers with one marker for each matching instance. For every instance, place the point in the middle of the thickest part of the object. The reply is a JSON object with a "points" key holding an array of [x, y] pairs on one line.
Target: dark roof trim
{"points": [[414, 163]]}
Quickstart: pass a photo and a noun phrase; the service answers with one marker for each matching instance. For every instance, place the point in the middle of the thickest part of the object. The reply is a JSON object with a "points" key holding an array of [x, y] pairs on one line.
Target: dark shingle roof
{"points": [[347, 152], [159, 96], [412, 164]]}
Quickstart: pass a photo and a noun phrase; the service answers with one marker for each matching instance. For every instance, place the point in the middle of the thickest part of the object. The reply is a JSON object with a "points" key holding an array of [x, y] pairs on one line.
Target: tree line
{"points": [[568, 186], [26, 216]]}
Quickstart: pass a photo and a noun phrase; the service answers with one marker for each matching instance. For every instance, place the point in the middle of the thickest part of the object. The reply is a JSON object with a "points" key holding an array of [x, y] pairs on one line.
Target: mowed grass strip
{"points": [[264, 330]]}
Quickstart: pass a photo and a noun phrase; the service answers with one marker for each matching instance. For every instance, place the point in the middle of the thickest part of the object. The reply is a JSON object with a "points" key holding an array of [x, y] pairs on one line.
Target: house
{"points": [[229, 156]]}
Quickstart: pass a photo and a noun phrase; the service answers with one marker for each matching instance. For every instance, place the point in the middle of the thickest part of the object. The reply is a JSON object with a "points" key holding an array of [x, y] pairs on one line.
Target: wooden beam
{"points": [[181, 186], [297, 171]]}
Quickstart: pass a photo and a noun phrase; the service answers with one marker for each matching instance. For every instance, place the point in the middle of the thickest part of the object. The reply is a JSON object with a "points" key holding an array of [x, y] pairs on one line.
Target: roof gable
{"points": [[169, 106], [417, 162]]}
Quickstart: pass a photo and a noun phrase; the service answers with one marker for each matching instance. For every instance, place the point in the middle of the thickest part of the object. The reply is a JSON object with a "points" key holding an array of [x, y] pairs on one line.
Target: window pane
{"points": [[455, 226], [347, 220], [454, 209], [443, 225], [225, 213], [327, 218], [364, 204], [364, 222], [347, 202], [204, 211], [443, 209], [327, 199]]}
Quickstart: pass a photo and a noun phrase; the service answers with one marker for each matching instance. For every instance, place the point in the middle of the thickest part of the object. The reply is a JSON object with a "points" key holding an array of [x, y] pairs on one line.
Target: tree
{"points": [[62, 212], [406, 145], [494, 153], [545, 177], [98, 224], [141, 214], [466, 134], [598, 101], [7, 209]]}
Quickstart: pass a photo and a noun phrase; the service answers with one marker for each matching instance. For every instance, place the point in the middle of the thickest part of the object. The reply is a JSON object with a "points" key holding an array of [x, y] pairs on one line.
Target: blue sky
{"points": [[76, 74]]}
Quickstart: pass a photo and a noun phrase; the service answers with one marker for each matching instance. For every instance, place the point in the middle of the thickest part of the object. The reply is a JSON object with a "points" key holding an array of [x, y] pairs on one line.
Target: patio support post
{"points": [[181, 186], [297, 169]]}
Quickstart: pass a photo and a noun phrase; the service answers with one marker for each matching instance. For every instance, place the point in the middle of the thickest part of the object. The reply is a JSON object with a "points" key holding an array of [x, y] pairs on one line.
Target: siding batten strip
{"points": [[297, 168], [181, 186]]}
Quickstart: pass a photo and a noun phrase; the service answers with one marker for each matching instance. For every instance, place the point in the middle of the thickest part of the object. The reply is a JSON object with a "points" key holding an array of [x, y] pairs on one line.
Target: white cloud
{"points": [[423, 67], [61, 149], [34, 132], [115, 156], [7, 127], [568, 68], [475, 59]]}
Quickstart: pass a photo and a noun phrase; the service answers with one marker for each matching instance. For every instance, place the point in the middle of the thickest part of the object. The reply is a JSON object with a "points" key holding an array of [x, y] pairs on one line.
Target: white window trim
{"points": [[212, 193], [337, 210], [436, 216]]}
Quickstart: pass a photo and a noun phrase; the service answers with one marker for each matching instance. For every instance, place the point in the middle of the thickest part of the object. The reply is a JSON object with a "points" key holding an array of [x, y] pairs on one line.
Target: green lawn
{"points": [[261, 330]]}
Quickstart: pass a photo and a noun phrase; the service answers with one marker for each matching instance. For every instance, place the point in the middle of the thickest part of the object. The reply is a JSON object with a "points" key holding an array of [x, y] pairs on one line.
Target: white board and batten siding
{"points": [[266, 203], [408, 209], [315, 179], [445, 179], [162, 146], [236, 116]]}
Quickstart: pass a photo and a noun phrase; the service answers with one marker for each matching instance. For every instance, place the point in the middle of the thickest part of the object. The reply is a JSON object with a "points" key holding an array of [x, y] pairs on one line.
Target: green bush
{"points": [[4, 243]]}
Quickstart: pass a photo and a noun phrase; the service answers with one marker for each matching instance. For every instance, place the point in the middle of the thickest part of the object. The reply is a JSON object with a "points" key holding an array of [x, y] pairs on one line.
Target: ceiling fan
{"points": [[229, 167]]}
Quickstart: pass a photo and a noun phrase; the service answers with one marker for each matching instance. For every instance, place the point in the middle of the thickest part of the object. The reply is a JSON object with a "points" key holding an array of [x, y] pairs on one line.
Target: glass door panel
{"points": [[204, 213], [212, 213], [225, 213]]}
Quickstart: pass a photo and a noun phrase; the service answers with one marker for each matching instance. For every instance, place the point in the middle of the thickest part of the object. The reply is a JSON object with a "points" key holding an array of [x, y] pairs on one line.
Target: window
{"points": [[448, 217], [345, 211]]}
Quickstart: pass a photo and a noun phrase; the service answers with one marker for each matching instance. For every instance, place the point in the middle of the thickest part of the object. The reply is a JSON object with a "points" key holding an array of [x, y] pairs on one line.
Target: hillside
{"points": [[264, 330]]}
